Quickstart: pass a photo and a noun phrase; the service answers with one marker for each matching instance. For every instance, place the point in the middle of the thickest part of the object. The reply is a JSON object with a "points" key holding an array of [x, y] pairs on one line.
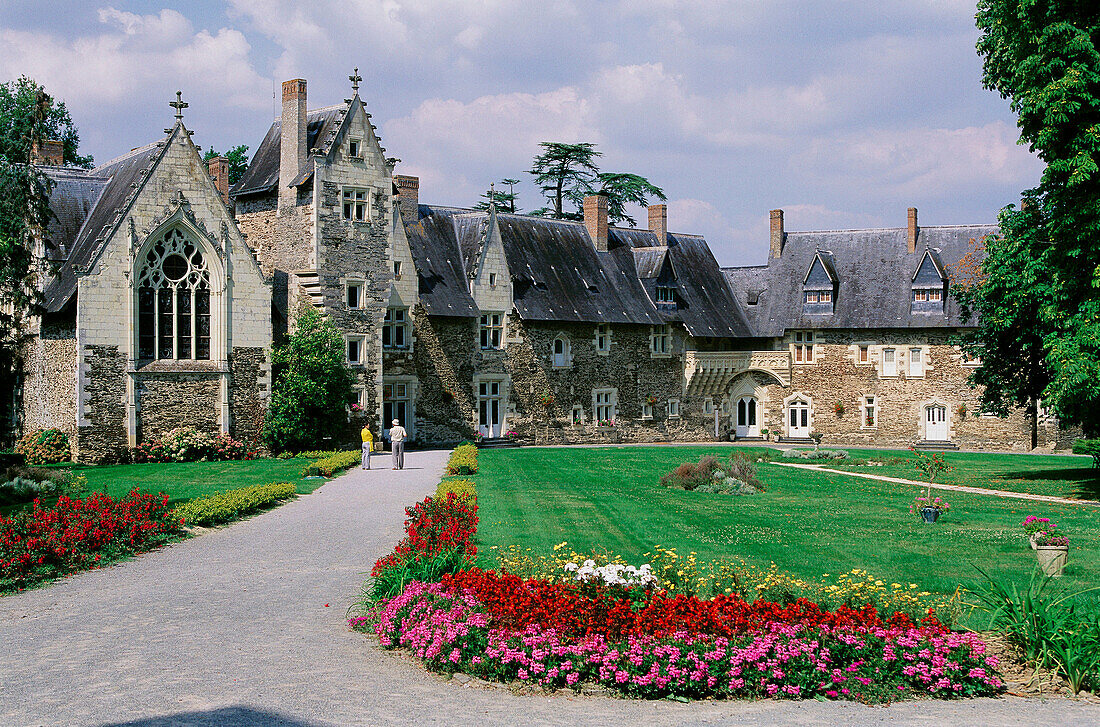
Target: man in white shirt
{"points": [[397, 442]]}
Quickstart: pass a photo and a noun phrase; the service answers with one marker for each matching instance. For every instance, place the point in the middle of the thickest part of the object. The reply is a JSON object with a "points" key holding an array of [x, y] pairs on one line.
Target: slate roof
{"points": [[444, 289], [116, 182], [263, 171], [74, 194], [874, 270]]}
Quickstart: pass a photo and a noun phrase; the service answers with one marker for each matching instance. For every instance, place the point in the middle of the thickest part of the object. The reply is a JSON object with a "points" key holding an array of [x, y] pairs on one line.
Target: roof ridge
{"points": [[891, 229], [132, 153]]}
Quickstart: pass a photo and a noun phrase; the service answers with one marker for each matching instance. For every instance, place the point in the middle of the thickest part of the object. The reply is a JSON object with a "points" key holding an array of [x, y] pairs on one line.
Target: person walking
{"points": [[368, 445], [397, 443]]}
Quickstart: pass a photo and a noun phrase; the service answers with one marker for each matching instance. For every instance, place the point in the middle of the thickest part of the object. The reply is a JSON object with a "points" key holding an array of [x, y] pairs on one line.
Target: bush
{"points": [[1090, 447], [23, 484], [44, 446], [463, 460], [815, 454], [224, 507], [319, 453], [332, 464], [735, 476], [41, 543], [461, 488], [188, 444]]}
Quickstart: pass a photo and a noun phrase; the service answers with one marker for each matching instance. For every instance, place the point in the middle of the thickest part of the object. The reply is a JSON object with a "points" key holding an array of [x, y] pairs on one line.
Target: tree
{"points": [[313, 386], [1044, 58], [29, 114], [1001, 285], [565, 173], [238, 161], [505, 201], [622, 189]]}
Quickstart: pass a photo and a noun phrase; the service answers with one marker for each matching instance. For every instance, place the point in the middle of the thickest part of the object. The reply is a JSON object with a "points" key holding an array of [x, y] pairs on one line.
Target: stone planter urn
{"points": [[1032, 541], [1052, 559], [929, 514]]}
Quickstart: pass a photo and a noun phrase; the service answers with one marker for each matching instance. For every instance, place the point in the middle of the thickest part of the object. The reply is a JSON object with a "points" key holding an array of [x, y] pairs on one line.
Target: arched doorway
{"points": [[746, 417], [935, 423], [798, 418]]}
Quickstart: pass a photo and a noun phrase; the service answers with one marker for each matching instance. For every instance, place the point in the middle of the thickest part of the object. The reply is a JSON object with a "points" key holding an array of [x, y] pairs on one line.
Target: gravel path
{"points": [[231, 628], [953, 488]]}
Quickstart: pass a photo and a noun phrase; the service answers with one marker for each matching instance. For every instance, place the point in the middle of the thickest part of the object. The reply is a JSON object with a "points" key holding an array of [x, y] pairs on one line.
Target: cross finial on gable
{"points": [[179, 105], [492, 195], [355, 78]]}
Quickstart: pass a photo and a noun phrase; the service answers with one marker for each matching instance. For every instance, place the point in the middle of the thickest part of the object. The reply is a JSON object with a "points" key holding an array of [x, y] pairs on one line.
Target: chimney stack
{"points": [[48, 153], [408, 197], [292, 141], [911, 237], [595, 219], [777, 234], [219, 171], [658, 222]]}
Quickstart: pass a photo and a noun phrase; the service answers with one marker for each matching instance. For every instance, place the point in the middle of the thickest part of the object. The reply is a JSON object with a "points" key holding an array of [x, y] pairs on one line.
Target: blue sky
{"points": [[841, 113]]}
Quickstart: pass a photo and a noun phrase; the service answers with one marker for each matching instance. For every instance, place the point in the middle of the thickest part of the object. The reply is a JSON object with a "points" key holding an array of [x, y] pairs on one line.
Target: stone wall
{"points": [[49, 364], [443, 357], [167, 400], [282, 244], [101, 434], [250, 383]]}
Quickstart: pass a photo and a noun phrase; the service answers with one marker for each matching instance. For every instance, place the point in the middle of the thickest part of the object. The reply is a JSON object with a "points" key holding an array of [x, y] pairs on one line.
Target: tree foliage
{"points": [[28, 113], [1044, 58], [313, 387], [238, 161], [622, 189], [504, 201]]}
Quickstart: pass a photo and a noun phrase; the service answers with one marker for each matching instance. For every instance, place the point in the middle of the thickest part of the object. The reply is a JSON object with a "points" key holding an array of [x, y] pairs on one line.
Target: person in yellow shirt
{"points": [[368, 445]]}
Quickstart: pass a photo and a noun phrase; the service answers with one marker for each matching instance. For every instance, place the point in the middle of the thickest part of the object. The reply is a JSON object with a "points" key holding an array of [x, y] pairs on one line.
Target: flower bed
{"points": [[44, 446], [42, 543], [223, 507], [463, 460], [188, 444], [450, 629]]}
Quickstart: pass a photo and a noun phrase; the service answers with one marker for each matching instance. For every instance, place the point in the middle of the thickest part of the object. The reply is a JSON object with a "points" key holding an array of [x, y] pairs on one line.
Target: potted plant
{"points": [[547, 399], [961, 411], [1052, 549], [606, 423], [764, 433], [929, 508], [838, 408], [1036, 526], [651, 400], [512, 435], [816, 436]]}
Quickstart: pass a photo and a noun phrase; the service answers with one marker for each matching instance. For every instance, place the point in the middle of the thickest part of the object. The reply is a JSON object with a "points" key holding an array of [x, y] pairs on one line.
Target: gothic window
{"points": [[396, 269], [604, 404], [174, 300], [562, 359]]}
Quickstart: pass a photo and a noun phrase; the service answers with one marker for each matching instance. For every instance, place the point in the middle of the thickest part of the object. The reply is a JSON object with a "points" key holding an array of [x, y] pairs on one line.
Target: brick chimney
{"points": [[777, 234], [219, 172], [658, 222], [408, 197], [595, 219], [48, 153], [913, 231], [292, 140]]}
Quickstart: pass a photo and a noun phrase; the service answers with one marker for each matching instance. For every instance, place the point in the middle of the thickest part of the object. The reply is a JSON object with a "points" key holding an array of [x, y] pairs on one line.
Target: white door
{"points": [[489, 409], [746, 424], [935, 423], [798, 419]]}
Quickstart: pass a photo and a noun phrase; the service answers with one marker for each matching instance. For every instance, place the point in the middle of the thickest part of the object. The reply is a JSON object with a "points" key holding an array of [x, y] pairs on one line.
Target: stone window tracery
{"points": [[174, 300]]}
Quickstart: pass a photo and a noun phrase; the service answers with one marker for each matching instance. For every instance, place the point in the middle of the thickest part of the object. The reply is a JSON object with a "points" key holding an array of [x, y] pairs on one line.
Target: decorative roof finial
{"points": [[492, 196], [179, 105], [355, 78]]}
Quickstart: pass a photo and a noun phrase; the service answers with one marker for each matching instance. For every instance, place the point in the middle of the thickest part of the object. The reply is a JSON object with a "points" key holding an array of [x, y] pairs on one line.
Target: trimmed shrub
{"points": [[224, 507], [23, 484], [332, 464], [461, 488], [815, 454], [463, 460], [44, 446]]}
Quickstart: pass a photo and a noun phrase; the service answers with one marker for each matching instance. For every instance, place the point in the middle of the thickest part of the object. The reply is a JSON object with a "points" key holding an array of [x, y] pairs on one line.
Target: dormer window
{"points": [[929, 285], [666, 295], [355, 149], [819, 286], [811, 297]]}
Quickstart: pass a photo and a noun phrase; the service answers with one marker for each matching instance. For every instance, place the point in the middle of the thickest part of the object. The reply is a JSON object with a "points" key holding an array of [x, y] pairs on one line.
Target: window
{"points": [[673, 408], [708, 406], [928, 295], [870, 410], [968, 360], [889, 362], [396, 269], [561, 352], [353, 295], [666, 295], [355, 205], [916, 363], [864, 354], [603, 338], [395, 330], [355, 349], [492, 280], [647, 411], [809, 297], [174, 301], [803, 346], [578, 415], [492, 331], [660, 340], [604, 405], [396, 404], [355, 150]]}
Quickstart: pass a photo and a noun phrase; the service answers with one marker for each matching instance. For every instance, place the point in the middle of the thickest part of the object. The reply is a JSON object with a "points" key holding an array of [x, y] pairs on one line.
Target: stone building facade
{"points": [[156, 313]]}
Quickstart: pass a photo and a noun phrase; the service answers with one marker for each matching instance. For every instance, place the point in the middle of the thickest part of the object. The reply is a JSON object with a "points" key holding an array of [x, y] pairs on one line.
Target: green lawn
{"points": [[809, 523], [183, 481], [1059, 475]]}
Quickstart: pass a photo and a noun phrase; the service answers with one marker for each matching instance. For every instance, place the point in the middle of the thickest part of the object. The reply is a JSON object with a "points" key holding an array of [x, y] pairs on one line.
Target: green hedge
{"points": [[462, 488], [463, 460], [332, 464], [224, 507]]}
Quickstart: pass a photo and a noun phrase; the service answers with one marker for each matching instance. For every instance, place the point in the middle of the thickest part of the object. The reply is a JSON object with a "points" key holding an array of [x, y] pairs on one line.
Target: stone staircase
{"points": [[497, 443], [309, 281], [935, 446]]}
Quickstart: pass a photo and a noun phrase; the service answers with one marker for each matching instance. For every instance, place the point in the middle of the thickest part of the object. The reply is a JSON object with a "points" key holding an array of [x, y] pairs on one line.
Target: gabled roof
{"points": [[930, 270], [263, 171], [822, 272], [876, 269], [72, 198], [443, 287], [118, 182], [650, 260]]}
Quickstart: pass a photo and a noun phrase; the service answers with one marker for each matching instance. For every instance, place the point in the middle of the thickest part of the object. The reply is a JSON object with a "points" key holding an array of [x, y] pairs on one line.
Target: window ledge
{"points": [[173, 366], [660, 355]]}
